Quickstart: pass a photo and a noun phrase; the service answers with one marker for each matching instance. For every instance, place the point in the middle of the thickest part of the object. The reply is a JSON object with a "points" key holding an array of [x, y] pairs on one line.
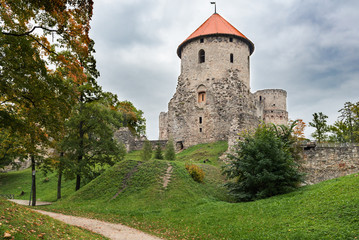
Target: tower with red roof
{"points": [[213, 100]]}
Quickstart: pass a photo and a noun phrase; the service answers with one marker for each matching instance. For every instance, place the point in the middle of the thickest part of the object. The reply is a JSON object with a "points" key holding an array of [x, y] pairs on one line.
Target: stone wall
{"points": [[132, 143], [326, 162], [138, 145]]}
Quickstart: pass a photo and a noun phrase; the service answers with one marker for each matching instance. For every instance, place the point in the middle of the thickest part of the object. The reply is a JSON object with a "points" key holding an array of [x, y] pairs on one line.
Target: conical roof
{"points": [[215, 25]]}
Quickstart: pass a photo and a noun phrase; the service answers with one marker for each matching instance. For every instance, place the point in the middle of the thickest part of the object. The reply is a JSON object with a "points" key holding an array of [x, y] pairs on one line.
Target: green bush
{"points": [[196, 172], [158, 152], [263, 165], [170, 153], [146, 151]]}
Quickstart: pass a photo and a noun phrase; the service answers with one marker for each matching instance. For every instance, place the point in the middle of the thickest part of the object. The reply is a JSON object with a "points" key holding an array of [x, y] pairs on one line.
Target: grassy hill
{"points": [[132, 193], [329, 210]]}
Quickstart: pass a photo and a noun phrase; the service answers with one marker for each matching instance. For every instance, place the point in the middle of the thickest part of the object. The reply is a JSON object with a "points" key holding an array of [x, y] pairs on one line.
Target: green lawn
{"points": [[46, 187], [132, 192], [22, 223], [190, 210]]}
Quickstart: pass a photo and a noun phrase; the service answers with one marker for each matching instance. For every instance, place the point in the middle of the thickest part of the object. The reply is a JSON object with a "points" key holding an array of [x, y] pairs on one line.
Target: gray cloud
{"points": [[309, 48]]}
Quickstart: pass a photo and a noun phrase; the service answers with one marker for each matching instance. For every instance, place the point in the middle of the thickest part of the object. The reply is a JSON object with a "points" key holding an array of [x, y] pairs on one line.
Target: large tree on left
{"points": [[45, 53]]}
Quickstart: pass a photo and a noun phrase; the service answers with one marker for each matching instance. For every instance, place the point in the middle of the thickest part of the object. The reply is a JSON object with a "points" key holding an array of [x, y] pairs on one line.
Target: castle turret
{"points": [[272, 105], [213, 100], [213, 49]]}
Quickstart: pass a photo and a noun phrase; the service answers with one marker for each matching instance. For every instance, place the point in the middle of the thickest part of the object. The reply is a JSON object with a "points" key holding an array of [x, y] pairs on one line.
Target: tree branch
{"points": [[29, 32], [42, 45]]}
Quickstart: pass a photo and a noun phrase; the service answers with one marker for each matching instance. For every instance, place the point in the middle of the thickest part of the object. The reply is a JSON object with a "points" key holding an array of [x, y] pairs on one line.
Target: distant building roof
{"points": [[215, 25]]}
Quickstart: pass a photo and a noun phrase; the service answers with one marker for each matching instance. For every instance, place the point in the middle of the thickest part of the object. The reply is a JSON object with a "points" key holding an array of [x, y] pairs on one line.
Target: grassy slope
{"points": [[15, 182], [329, 210], [201, 152], [23, 223], [189, 210]]}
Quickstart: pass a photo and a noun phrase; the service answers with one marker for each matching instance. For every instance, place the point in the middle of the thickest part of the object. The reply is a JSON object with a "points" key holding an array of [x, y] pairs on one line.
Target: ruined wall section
{"points": [[324, 163], [272, 105], [163, 134]]}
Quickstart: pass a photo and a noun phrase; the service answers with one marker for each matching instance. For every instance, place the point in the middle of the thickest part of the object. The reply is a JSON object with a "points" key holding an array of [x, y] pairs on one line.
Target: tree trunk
{"points": [[78, 182], [60, 176], [33, 175], [80, 156]]}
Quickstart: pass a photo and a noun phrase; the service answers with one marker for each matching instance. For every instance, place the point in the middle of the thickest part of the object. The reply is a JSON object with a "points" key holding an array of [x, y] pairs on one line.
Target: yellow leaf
{"points": [[7, 235]]}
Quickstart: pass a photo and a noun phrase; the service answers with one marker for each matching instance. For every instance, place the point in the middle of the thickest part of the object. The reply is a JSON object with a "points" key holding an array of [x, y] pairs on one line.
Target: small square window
{"points": [[201, 40], [231, 39]]}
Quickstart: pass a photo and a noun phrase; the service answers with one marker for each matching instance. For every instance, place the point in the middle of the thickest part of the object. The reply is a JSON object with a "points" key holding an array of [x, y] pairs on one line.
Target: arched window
{"points": [[231, 57], [201, 56]]}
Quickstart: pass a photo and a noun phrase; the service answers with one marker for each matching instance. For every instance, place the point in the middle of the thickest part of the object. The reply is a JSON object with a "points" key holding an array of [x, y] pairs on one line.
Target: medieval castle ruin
{"points": [[213, 100]]}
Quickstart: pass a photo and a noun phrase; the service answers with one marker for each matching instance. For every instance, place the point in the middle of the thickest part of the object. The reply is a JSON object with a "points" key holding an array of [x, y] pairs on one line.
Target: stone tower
{"points": [[213, 100]]}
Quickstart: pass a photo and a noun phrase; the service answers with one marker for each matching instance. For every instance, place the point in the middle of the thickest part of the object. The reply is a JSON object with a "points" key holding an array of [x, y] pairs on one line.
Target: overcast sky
{"points": [[310, 48]]}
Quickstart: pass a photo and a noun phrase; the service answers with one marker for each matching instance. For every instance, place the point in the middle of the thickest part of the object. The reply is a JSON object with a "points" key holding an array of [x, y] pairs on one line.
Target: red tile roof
{"points": [[215, 24]]}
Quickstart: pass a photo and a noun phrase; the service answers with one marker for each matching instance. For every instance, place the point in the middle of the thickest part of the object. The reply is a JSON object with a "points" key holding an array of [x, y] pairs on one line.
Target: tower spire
{"points": [[215, 7]]}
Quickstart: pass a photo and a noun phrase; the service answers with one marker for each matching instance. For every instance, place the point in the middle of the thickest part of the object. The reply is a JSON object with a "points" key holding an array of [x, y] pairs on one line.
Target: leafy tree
{"points": [[11, 147], [340, 132], [36, 90], [146, 153], [89, 141], [158, 152], [320, 124], [133, 117], [262, 165], [170, 153], [298, 130], [350, 118]]}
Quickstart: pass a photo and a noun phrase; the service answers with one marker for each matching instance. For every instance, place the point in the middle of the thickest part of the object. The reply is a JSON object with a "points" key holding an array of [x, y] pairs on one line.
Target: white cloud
{"points": [[308, 48]]}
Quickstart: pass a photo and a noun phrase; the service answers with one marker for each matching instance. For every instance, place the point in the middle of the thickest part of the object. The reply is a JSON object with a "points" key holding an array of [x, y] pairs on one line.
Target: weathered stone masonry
{"points": [[327, 162], [213, 101]]}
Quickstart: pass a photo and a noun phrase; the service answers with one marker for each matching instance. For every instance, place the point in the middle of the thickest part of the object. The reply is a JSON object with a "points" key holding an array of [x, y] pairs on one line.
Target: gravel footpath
{"points": [[110, 230]]}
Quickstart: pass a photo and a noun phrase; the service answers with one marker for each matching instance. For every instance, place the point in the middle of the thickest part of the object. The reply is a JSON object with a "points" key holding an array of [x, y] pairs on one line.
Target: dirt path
{"points": [[110, 230], [26, 202], [167, 176]]}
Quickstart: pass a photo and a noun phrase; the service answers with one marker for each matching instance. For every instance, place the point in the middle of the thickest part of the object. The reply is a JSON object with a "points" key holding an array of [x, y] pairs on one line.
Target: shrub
{"points": [[158, 152], [146, 151], [195, 172], [263, 165], [170, 153]]}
